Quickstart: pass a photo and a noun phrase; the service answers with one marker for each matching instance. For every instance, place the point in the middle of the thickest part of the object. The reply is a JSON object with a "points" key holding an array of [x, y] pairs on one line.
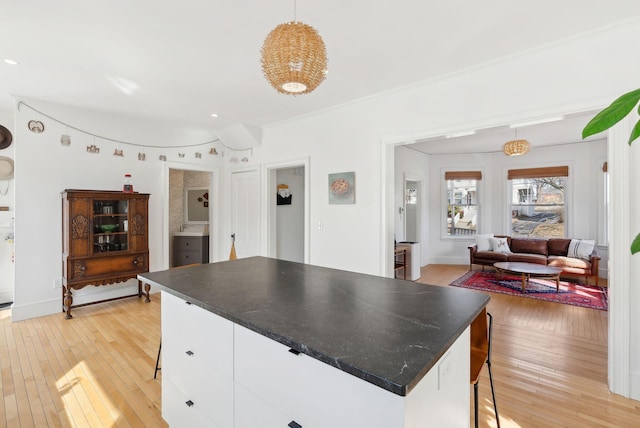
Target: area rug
{"points": [[571, 293]]}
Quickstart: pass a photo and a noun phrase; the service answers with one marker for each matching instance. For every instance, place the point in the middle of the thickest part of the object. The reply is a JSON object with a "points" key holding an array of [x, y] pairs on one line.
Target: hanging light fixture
{"points": [[294, 57], [516, 147]]}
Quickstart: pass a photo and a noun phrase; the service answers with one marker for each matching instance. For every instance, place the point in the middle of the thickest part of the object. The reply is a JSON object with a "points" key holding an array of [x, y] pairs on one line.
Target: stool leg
{"points": [[157, 361], [475, 403], [493, 394]]}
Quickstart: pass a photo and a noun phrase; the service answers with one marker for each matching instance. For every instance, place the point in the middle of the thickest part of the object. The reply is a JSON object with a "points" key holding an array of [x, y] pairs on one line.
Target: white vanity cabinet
{"points": [[197, 366]]}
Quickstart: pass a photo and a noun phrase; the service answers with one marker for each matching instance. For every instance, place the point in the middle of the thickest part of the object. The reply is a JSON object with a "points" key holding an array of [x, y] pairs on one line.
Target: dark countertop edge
{"points": [[393, 387]]}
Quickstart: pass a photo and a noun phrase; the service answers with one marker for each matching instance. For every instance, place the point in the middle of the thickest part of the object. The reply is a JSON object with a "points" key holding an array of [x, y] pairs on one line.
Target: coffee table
{"points": [[528, 270]]}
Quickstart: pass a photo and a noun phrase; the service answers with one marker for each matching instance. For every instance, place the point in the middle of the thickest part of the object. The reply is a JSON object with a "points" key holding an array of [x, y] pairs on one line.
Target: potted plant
{"points": [[608, 117]]}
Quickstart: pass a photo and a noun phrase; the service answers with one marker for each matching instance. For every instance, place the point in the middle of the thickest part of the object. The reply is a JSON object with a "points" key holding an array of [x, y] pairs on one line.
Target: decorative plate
{"points": [[35, 126]]}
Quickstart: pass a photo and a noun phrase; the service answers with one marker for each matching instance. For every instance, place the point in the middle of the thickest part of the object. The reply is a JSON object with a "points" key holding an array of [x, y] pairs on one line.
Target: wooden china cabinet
{"points": [[105, 240]]}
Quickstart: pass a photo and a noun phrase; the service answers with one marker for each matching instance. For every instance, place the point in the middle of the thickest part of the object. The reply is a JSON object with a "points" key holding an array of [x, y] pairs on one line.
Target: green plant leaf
{"points": [[635, 245], [612, 114], [635, 133]]}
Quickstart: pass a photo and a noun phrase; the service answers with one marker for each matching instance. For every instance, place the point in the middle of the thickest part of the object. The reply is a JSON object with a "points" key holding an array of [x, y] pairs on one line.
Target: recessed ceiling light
{"points": [[214, 114], [536, 121], [11, 61], [460, 134]]}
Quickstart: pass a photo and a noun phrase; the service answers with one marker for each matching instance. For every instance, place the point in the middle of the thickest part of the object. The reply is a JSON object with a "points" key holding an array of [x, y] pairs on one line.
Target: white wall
{"points": [[44, 168]]}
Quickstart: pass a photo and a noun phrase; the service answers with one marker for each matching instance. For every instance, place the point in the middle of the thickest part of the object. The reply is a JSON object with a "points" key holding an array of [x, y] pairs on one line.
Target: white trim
{"points": [[619, 295], [268, 205]]}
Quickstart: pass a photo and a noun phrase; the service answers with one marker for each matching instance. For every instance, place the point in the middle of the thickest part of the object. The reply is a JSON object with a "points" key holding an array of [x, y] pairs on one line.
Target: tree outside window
{"points": [[538, 206]]}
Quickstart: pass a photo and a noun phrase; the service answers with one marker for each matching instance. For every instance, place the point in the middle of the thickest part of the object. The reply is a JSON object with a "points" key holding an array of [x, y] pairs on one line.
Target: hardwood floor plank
{"points": [[549, 364]]}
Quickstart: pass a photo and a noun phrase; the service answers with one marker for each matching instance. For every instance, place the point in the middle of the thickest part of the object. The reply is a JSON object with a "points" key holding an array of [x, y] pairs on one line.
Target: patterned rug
{"points": [[571, 293]]}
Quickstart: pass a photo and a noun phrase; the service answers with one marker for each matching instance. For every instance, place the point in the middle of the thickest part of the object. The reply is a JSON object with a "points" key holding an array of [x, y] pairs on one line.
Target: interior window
{"points": [[462, 206], [538, 202]]}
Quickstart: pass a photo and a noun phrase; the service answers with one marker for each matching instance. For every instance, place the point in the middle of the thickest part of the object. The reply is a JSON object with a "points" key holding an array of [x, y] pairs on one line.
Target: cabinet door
{"points": [[251, 412], [138, 223], [295, 384], [79, 225]]}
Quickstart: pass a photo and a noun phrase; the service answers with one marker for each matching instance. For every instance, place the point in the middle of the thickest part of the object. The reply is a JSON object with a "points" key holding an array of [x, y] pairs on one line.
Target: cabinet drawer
{"points": [[187, 243], [87, 268], [186, 258], [295, 384], [252, 412], [187, 327], [177, 413], [201, 383]]}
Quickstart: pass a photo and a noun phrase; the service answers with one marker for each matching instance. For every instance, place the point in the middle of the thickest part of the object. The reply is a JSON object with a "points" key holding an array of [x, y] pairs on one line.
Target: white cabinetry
{"points": [[238, 378], [197, 366]]}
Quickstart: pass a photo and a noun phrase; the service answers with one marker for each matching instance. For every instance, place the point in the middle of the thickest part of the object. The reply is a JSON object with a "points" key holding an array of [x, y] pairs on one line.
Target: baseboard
{"points": [[86, 295], [634, 387], [447, 261]]}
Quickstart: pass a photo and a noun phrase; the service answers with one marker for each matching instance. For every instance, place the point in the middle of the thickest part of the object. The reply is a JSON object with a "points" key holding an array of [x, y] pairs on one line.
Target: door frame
{"points": [[214, 214], [268, 201]]}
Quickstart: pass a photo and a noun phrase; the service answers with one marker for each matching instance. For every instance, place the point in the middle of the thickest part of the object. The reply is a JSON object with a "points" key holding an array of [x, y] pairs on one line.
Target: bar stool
{"points": [[481, 354]]}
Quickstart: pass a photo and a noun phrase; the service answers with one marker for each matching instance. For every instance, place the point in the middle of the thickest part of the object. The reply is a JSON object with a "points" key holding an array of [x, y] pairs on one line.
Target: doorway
{"points": [[287, 190], [181, 180], [412, 211]]}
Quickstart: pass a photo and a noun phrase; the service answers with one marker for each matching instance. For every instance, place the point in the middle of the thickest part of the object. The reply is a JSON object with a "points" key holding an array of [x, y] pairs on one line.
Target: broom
{"points": [[232, 254]]}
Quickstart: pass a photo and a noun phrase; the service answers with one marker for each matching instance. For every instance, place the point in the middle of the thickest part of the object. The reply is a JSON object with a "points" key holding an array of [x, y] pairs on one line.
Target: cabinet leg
{"points": [[146, 294], [68, 301]]}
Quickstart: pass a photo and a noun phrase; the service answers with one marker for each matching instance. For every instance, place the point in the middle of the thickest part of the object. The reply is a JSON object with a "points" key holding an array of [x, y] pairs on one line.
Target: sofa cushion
{"points": [[581, 248], [572, 262], [490, 257], [484, 242], [528, 245], [558, 247], [528, 258], [500, 245]]}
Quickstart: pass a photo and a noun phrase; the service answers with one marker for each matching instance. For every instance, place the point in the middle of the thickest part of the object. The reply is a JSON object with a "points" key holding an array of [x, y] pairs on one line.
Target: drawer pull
{"points": [[135, 262], [189, 403], [188, 303], [294, 352], [189, 353], [294, 424]]}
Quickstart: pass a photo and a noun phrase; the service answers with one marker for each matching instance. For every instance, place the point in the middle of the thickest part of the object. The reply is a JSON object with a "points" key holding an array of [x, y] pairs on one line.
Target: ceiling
{"points": [[179, 62]]}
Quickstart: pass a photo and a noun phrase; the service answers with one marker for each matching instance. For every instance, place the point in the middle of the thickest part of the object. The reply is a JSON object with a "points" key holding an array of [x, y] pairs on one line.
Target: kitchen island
{"points": [[270, 343]]}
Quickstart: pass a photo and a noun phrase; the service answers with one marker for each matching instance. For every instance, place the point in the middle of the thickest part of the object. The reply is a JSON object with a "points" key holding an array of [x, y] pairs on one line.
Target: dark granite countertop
{"points": [[385, 331]]}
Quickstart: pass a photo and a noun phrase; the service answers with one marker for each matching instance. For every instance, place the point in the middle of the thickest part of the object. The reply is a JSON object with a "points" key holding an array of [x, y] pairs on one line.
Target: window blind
{"points": [[552, 171], [463, 175]]}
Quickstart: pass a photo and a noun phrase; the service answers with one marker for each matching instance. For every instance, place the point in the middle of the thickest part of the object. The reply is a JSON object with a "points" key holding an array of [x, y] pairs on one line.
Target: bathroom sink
{"points": [[191, 233]]}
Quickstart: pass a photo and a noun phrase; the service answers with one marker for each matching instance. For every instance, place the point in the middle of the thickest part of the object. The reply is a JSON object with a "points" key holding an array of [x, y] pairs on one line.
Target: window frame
{"points": [[539, 172], [448, 174]]}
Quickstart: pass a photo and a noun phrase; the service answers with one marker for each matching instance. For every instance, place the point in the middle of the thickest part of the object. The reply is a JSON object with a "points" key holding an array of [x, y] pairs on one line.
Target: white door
{"points": [[245, 212]]}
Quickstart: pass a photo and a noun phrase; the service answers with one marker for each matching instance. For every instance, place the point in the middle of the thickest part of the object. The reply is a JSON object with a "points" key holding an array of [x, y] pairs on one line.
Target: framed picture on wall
{"points": [[342, 188]]}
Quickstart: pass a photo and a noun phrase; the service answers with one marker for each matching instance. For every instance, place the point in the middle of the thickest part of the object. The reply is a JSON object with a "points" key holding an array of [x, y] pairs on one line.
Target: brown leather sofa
{"points": [[551, 252]]}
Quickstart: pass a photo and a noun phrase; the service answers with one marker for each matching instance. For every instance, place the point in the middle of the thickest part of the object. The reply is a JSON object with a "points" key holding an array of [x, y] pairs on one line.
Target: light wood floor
{"points": [[549, 362]]}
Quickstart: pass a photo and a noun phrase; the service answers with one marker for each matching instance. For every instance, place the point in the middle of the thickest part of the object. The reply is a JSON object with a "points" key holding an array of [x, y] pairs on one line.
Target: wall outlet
{"points": [[57, 283]]}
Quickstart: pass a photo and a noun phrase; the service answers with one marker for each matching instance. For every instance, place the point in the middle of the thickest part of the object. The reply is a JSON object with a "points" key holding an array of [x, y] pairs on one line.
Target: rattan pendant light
{"points": [[294, 58], [516, 147]]}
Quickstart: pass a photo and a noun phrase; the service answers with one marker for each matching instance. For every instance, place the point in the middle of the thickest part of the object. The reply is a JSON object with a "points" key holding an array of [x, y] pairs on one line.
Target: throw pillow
{"points": [[483, 242], [500, 245], [581, 248]]}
